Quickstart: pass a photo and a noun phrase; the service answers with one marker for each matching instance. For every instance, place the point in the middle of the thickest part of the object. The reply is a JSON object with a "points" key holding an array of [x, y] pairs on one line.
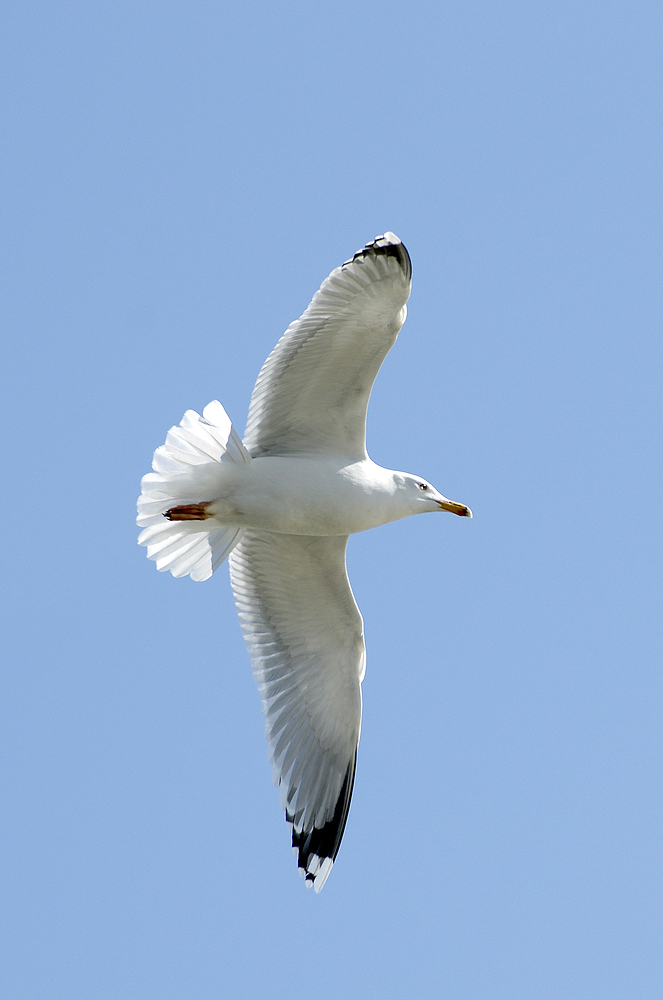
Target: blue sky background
{"points": [[178, 180]]}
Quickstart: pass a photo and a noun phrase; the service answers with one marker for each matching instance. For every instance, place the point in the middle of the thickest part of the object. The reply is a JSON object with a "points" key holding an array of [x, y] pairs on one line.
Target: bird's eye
{"points": [[423, 486]]}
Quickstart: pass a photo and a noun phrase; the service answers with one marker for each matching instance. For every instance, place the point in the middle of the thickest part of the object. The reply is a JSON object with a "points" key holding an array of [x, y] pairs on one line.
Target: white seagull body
{"points": [[282, 504]]}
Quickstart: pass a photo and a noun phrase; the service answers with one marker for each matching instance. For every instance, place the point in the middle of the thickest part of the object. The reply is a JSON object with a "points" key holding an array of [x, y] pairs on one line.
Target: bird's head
{"points": [[421, 497]]}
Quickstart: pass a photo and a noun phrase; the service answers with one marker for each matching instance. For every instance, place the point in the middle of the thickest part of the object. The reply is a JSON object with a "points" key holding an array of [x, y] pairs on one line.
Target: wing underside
{"points": [[312, 393], [304, 634]]}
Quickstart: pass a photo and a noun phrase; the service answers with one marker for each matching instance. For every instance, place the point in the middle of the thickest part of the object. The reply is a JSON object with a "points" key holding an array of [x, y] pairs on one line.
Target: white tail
{"points": [[184, 469]]}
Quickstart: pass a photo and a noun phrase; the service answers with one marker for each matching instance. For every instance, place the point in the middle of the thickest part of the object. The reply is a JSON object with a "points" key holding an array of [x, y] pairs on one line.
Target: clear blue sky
{"points": [[178, 179]]}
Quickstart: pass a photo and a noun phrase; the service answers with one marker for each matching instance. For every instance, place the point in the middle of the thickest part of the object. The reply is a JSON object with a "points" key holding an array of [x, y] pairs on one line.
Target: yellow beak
{"points": [[455, 508]]}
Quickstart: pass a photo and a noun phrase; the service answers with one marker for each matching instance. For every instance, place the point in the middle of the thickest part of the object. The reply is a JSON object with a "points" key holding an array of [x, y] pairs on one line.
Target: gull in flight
{"points": [[282, 504]]}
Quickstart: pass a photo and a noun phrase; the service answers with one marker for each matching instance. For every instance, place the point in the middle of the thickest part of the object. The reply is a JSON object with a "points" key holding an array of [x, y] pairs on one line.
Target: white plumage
{"points": [[282, 505]]}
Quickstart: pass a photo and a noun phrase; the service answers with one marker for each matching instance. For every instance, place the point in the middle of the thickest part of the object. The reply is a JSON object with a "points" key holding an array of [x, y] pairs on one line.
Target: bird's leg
{"points": [[189, 512]]}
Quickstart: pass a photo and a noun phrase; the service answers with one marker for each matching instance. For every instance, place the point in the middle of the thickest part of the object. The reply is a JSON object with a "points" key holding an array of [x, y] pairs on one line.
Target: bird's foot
{"points": [[189, 512]]}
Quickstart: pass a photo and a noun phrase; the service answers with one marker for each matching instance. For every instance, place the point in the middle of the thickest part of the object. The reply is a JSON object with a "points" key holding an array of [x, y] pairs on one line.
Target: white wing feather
{"points": [[312, 392], [305, 637]]}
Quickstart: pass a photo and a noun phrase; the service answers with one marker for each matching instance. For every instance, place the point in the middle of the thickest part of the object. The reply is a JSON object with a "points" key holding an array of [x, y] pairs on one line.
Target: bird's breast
{"points": [[297, 496]]}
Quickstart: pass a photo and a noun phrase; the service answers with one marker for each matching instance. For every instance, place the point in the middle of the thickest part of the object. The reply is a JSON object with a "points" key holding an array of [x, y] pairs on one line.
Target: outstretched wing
{"points": [[305, 637], [312, 392]]}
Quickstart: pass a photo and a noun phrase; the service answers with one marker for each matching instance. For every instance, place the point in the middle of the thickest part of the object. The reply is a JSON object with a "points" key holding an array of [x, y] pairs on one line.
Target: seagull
{"points": [[281, 504]]}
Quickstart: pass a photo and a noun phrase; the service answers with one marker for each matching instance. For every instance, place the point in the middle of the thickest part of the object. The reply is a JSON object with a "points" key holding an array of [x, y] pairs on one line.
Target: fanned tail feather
{"points": [[185, 469]]}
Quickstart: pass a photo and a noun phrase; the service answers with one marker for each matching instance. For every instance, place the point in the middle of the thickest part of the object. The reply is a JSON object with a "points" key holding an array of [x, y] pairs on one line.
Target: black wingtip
{"points": [[315, 846], [388, 245]]}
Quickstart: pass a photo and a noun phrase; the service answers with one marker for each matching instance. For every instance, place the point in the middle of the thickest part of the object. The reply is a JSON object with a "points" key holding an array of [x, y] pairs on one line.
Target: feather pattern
{"points": [[312, 392], [185, 471], [305, 637]]}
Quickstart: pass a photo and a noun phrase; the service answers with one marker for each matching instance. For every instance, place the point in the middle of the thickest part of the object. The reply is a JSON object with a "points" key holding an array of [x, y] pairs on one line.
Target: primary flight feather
{"points": [[282, 504]]}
